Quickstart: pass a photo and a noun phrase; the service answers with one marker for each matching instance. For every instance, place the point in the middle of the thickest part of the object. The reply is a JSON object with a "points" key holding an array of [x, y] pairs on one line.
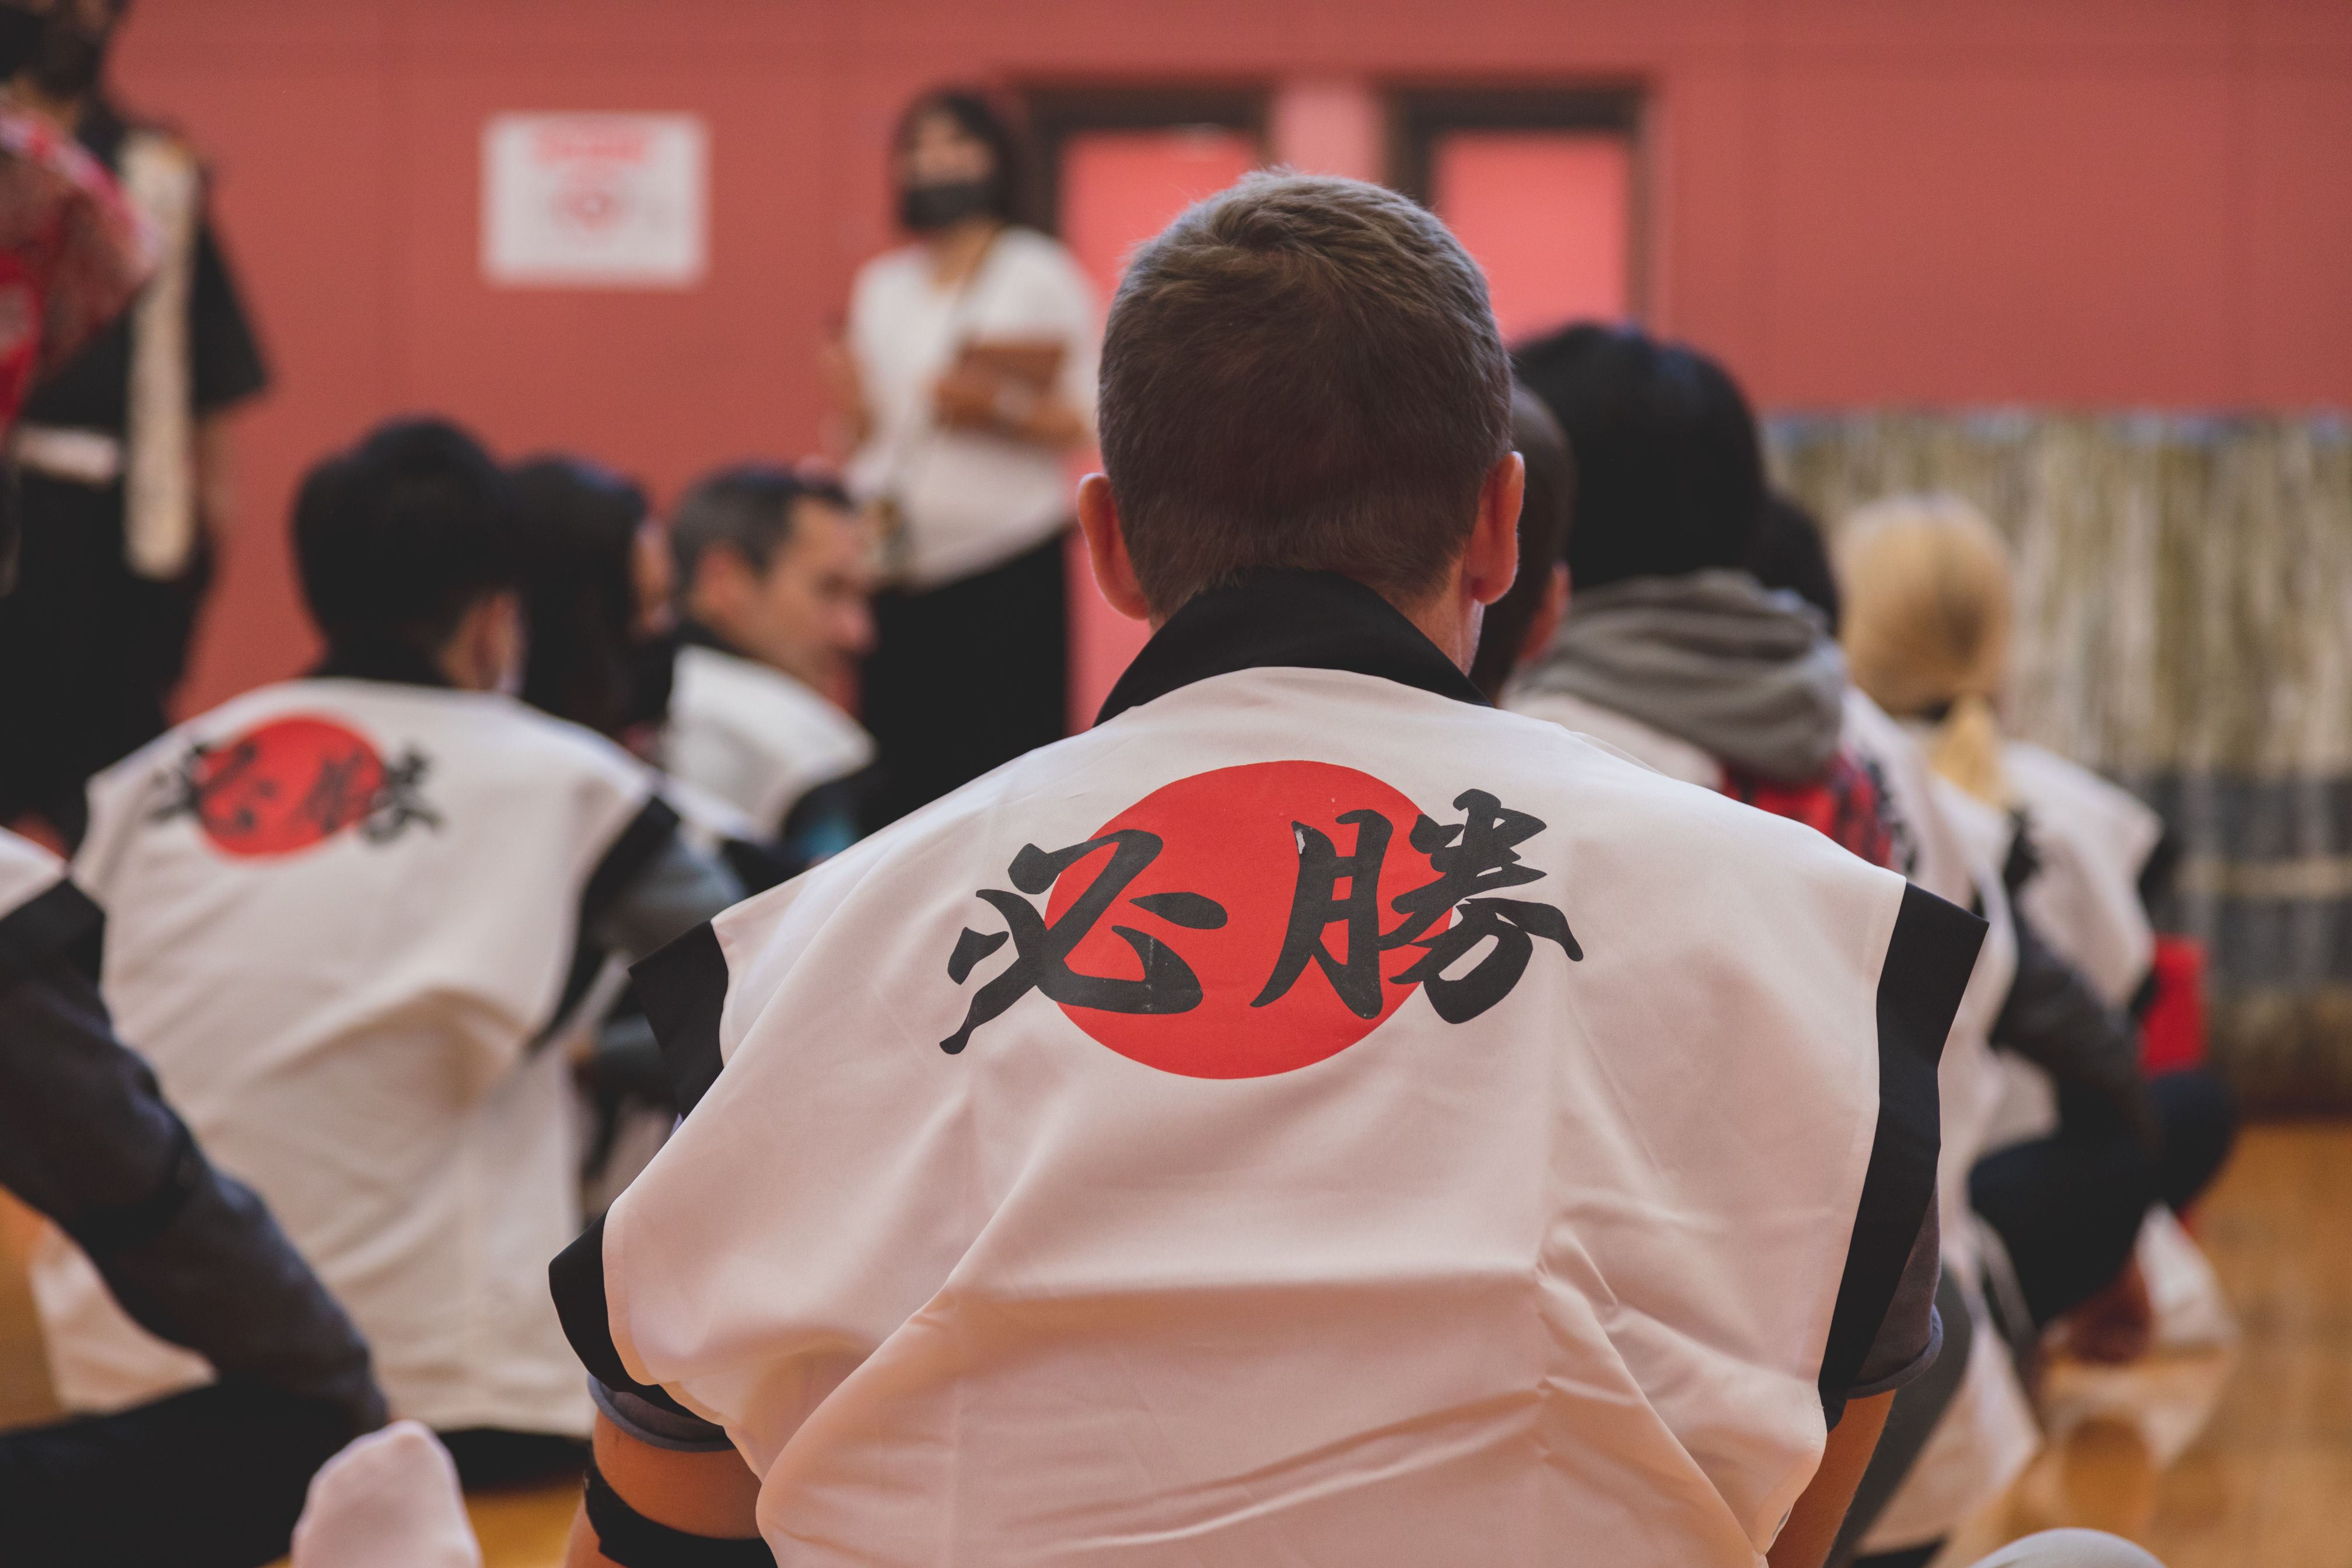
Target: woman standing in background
{"points": [[965, 379]]}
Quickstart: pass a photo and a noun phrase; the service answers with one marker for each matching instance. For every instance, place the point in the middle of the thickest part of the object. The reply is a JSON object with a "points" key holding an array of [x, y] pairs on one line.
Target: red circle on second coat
{"points": [[285, 786], [1227, 835]]}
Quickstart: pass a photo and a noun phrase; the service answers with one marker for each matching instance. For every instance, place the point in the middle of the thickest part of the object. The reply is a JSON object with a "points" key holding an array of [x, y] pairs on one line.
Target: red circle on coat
{"points": [[1232, 836], [284, 786]]}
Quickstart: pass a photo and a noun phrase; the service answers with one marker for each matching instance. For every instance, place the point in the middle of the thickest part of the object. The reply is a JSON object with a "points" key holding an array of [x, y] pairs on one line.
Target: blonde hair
{"points": [[1925, 583]]}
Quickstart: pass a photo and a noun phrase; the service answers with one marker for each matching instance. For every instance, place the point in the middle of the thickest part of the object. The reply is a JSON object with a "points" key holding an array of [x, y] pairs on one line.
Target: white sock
{"points": [[389, 1501]]}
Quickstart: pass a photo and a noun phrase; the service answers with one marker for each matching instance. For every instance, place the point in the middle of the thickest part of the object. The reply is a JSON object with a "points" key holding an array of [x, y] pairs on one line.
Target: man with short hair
{"points": [[1309, 1116], [345, 914], [772, 581]]}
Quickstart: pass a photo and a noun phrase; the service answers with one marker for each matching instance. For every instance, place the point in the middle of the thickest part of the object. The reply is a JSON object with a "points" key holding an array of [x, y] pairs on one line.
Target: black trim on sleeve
{"points": [[633, 1541], [575, 1278], [60, 921], [684, 988], [1928, 958], [639, 844]]}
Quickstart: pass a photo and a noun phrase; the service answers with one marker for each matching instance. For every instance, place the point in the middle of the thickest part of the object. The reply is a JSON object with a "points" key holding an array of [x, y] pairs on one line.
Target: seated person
{"points": [[772, 575], [218, 1473], [596, 597], [1520, 624], [1672, 651], [1461, 1142], [346, 911], [1928, 601]]}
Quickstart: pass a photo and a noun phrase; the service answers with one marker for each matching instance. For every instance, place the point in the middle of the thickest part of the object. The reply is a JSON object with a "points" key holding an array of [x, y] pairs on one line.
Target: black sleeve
{"points": [[226, 361], [2053, 1019], [1876, 1319], [192, 1256], [576, 1280]]}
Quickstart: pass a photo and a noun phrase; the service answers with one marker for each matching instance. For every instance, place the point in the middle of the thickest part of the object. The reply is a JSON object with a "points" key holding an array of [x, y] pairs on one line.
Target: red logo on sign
{"points": [[294, 783]]}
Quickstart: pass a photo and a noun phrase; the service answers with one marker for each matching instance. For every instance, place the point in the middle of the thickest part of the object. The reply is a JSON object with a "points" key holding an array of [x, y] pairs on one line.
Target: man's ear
{"points": [[722, 580], [1492, 559], [1107, 549]]}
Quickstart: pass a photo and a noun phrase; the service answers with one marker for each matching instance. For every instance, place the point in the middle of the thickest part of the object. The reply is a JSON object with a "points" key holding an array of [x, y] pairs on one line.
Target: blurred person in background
{"points": [[349, 915], [1519, 624], [212, 1476], [2086, 1146], [86, 1139], [1671, 650], [964, 381], [122, 455], [603, 641], [772, 575]]}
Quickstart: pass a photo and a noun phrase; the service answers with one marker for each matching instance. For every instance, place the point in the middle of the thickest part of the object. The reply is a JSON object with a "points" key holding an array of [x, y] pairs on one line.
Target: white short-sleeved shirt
{"points": [[970, 500], [1053, 1195], [340, 914]]}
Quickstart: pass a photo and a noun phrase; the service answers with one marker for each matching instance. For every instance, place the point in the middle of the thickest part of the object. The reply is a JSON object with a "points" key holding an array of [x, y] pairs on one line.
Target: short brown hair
{"points": [[1301, 373]]}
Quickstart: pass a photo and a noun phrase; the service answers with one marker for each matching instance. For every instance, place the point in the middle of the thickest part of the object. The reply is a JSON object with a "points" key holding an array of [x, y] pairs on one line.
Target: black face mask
{"points": [[21, 33], [924, 208], [69, 60]]}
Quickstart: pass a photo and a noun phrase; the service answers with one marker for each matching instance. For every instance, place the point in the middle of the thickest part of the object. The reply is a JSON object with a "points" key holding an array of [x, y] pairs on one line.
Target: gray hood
{"points": [[1747, 674]]}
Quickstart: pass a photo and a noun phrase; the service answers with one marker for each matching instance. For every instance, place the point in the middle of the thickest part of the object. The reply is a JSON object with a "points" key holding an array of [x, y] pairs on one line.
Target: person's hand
{"points": [[848, 424], [2119, 1324], [969, 398]]}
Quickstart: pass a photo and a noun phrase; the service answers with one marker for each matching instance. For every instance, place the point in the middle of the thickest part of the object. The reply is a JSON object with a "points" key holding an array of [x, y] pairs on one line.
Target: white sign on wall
{"points": [[595, 200]]}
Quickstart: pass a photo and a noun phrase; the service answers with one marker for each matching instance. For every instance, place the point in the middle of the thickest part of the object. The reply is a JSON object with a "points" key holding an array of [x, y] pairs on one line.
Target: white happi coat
{"points": [[1953, 846], [755, 737], [2093, 838], [1033, 1216], [339, 913], [26, 871]]}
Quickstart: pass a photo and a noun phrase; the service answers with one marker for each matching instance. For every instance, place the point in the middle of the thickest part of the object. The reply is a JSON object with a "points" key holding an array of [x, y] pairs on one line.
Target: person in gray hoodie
{"points": [[1672, 651]]}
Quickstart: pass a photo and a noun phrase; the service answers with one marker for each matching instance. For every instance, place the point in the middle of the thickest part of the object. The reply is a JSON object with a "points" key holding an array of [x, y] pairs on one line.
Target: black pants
{"points": [[211, 1479], [2068, 1208], [966, 677], [91, 650]]}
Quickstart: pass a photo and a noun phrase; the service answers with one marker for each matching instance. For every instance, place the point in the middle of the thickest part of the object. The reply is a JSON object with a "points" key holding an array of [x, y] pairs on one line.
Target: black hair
{"points": [[396, 539], [578, 540], [977, 115], [1788, 553], [1545, 516], [746, 508], [1670, 471]]}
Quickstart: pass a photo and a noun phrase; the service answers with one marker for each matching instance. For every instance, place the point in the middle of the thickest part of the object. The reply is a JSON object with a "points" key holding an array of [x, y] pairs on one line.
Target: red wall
{"points": [[2088, 201]]}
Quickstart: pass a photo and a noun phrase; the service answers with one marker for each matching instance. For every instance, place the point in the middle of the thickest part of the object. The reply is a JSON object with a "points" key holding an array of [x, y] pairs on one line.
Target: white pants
{"points": [[2069, 1549]]}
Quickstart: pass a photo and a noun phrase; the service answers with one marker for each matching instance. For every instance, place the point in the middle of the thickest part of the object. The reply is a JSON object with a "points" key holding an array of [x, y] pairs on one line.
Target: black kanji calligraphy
{"points": [[1473, 859], [1042, 949]]}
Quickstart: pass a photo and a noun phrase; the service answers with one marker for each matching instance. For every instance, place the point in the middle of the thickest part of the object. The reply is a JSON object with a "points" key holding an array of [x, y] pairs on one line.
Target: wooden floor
{"points": [[2265, 1483]]}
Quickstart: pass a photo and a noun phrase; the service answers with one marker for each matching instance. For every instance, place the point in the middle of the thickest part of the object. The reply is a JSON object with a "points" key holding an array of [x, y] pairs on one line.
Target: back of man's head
{"points": [[1670, 473], [1301, 373], [397, 538], [747, 508]]}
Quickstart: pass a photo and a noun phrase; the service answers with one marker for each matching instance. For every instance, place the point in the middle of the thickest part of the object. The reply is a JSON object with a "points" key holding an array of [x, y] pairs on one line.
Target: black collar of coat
{"points": [[1287, 619]]}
